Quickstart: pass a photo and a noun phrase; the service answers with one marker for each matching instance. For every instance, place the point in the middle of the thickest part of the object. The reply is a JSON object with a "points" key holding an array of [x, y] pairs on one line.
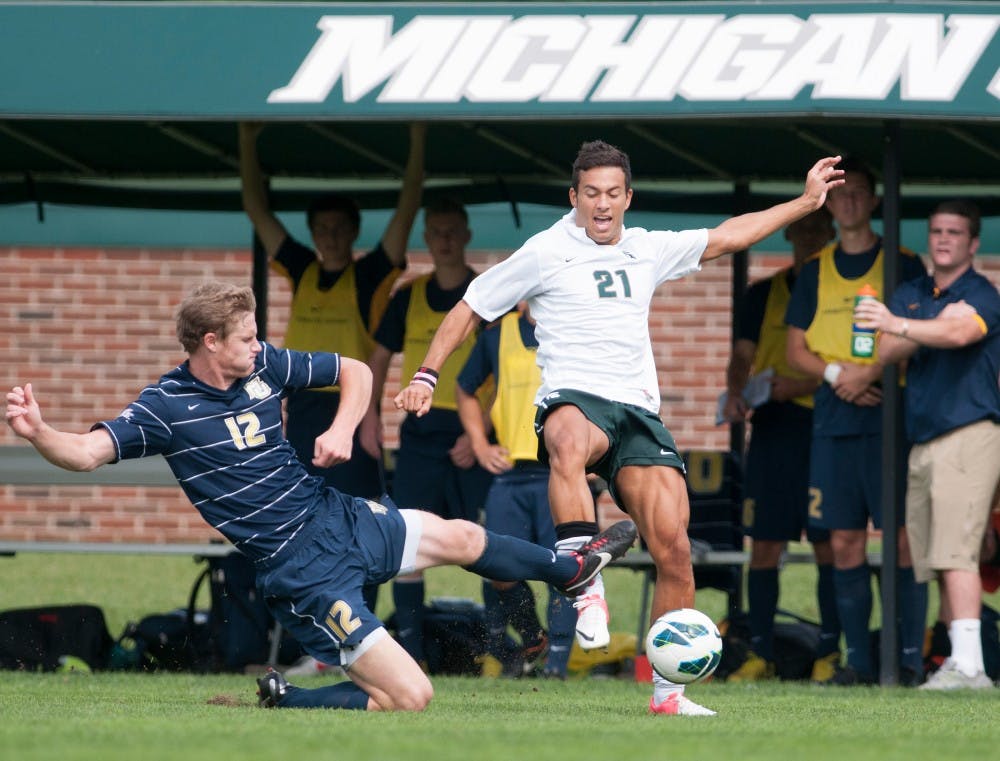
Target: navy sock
{"points": [[853, 588], [496, 623], [912, 598], [562, 625], [518, 605], [829, 620], [408, 597], [341, 695], [507, 558], [762, 597]]}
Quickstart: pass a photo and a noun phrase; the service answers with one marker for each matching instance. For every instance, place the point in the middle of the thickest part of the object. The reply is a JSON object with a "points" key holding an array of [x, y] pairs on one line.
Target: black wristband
{"points": [[426, 376]]}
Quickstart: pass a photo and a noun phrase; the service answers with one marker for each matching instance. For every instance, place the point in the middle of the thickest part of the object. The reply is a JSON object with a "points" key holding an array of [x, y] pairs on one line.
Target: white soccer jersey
{"points": [[591, 304]]}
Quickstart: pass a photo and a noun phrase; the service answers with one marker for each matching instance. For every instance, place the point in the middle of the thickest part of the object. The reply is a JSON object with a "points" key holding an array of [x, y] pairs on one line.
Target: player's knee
{"points": [[416, 696], [671, 552], [566, 449], [468, 540]]}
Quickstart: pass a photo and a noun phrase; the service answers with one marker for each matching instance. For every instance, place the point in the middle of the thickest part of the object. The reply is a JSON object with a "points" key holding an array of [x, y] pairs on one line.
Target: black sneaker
{"points": [[271, 688], [604, 547], [910, 677], [845, 676]]}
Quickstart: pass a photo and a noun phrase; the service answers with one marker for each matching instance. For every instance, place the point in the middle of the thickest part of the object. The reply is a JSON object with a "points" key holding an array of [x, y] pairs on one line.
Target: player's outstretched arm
{"points": [[457, 325], [742, 232], [70, 451]]}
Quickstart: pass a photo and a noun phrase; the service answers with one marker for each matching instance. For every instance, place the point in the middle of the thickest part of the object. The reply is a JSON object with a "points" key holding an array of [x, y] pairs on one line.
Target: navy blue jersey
{"points": [[227, 450], [951, 388], [754, 304]]}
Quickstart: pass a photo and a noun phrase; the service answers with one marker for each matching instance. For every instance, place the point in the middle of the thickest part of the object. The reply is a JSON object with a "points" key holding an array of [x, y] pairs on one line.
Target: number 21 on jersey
{"points": [[609, 284]]}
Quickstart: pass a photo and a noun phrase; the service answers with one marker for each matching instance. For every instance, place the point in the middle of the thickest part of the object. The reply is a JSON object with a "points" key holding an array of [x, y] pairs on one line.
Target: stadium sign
{"points": [[498, 60], [650, 58]]}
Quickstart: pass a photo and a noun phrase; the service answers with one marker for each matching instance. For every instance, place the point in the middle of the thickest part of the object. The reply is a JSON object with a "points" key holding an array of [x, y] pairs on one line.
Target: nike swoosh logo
{"points": [[192, 406], [570, 259], [583, 635], [665, 451]]}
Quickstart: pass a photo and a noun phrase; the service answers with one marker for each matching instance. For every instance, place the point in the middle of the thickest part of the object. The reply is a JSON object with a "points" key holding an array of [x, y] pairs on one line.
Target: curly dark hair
{"points": [[598, 153]]}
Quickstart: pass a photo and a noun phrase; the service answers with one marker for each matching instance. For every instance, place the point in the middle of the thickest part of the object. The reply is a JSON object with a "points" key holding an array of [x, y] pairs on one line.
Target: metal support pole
{"points": [[741, 266], [259, 284], [893, 440]]}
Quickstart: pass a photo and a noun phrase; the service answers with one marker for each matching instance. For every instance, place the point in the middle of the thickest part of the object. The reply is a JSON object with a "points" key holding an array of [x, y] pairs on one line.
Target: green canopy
{"points": [[133, 104]]}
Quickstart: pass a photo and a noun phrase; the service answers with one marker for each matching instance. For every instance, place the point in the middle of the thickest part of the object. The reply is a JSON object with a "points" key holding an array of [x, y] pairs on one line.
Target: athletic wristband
{"points": [[831, 372], [427, 376]]}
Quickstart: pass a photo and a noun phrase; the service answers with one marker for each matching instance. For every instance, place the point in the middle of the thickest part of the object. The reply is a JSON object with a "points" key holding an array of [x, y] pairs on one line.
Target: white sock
{"points": [[966, 645], [595, 587], [662, 688], [566, 546]]}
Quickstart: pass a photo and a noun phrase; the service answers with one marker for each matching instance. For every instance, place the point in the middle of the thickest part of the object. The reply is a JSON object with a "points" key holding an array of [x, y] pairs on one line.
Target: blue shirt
{"points": [[227, 449], [951, 388]]}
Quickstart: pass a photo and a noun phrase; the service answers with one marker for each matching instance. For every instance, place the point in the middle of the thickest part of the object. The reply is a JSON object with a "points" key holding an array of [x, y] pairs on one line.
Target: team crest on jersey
{"points": [[257, 389], [376, 508]]}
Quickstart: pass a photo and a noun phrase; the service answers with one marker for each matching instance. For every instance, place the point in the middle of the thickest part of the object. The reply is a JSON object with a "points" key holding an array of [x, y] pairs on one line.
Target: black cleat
{"points": [[845, 676], [271, 688], [604, 547]]}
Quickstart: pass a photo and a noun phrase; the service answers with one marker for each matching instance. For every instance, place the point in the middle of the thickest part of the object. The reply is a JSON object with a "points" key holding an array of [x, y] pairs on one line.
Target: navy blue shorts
{"points": [[518, 505], [315, 592], [776, 483], [845, 482], [426, 479]]}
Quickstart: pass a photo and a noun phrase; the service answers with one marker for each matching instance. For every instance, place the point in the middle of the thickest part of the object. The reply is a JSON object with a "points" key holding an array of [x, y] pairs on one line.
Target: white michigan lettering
{"points": [[620, 58]]}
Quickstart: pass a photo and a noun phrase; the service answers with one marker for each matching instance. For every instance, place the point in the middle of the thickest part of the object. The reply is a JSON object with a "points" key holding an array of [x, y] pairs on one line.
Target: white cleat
{"points": [[949, 677], [675, 704], [592, 622]]}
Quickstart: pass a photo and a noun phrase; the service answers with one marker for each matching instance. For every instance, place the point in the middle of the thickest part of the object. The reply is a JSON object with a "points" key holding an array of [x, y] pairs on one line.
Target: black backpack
{"points": [[40, 639], [234, 632]]}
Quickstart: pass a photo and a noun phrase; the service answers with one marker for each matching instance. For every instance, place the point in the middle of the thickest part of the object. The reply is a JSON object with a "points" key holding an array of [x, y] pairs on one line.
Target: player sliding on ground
{"points": [[588, 281], [216, 419]]}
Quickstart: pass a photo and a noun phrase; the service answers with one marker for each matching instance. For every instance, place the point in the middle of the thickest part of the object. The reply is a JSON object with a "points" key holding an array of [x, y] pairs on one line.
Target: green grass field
{"points": [[111, 716]]}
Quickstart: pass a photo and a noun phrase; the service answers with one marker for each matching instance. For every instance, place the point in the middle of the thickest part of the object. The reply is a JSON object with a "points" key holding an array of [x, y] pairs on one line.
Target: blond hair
{"points": [[213, 307]]}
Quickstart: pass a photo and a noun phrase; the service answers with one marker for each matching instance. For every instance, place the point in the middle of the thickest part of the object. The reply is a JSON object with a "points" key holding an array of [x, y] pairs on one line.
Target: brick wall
{"points": [[90, 328]]}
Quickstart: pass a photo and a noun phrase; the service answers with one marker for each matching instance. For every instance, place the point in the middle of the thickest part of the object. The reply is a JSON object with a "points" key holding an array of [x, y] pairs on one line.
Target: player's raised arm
{"points": [[742, 232], [455, 328], [70, 451]]}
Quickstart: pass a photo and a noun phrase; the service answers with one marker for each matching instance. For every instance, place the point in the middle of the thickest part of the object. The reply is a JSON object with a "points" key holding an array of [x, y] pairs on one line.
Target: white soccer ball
{"points": [[684, 645]]}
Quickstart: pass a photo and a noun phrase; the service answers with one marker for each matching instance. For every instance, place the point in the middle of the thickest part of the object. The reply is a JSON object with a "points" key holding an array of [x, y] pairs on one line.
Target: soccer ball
{"points": [[684, 645]]}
